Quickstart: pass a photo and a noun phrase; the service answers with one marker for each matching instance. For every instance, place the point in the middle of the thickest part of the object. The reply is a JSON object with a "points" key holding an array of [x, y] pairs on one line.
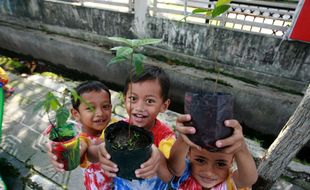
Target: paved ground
{"points": [[23, 145]]}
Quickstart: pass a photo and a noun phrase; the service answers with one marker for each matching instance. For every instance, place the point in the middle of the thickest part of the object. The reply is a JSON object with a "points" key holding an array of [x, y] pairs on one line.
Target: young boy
{"points": [[196, 168], [146, 95], [4, 79], [93, 122]]}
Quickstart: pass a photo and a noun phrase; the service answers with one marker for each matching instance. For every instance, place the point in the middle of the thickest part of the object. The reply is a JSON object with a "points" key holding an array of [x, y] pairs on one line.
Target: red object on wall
{"points": [[301, 25]]}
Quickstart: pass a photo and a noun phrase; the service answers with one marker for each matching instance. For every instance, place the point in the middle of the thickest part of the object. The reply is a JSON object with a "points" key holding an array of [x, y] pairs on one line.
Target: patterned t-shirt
{"points": [[94, 177]]}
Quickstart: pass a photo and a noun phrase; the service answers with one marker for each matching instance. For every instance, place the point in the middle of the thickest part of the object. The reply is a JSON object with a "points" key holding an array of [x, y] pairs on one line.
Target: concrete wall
{"points": [[75, 36]]}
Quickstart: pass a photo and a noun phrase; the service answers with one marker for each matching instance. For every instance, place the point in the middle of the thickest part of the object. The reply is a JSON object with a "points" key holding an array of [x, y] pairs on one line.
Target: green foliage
{"points": [[58, 105], [220, 7], [127, 51], [62, 131]]}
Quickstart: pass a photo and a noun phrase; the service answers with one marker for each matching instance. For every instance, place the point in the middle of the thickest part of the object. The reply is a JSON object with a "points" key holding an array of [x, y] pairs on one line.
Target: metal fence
{"points": [[117, 5], [254, 16]]}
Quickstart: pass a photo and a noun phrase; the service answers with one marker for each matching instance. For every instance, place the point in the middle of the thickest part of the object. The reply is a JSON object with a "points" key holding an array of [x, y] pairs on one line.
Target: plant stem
{"points": [[54, 126], [130, 76]]}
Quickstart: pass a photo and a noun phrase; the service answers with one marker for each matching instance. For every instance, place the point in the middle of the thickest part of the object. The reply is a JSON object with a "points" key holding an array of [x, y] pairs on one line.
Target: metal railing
{"points": [[255, 16], [117, 5]]}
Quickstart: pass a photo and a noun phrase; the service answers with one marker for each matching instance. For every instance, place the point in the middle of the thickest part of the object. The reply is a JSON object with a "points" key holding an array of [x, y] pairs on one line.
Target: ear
{"points": [[75, 113], [165, 106]]}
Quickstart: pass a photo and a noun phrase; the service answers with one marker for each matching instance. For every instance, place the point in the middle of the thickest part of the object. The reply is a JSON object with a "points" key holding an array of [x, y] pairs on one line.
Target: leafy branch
{"points": [[127, 51], [220, 7]]}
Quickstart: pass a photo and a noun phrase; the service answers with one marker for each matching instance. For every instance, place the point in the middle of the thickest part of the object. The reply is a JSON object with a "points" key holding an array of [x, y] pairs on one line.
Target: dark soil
{"points": [[128, 140]]}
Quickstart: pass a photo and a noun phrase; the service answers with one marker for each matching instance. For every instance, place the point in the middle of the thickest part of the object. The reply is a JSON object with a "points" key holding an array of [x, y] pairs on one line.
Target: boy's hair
{"points": [[150, 73], [88, 86]]}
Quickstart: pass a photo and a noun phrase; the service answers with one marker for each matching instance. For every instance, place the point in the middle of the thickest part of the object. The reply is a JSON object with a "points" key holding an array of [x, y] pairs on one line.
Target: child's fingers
{"points": [[185, 130], [234, 142], [149, 168], [183, 118], [48, 146], [147, 171], [107, 165], [103, 151]]}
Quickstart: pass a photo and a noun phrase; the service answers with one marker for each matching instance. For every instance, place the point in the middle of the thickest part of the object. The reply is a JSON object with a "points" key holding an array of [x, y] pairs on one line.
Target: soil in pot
{"points": [[128, 149], [208, 112]]}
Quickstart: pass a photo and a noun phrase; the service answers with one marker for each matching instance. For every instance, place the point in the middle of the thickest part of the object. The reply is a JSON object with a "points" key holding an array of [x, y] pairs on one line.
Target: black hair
{"points": [[88, 86], [150, 73]]}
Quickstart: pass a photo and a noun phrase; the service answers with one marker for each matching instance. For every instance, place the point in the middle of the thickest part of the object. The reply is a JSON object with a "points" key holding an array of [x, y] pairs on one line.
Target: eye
{"points": [[221, 165], [200, 161], [132, 98], [150, 101], [106, 106], [90, 108]]}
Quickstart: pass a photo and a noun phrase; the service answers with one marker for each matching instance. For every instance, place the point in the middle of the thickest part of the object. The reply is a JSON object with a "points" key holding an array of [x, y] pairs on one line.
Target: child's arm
{"points": [[246, 174], [179, 150], [98, 153], [176, 161]]}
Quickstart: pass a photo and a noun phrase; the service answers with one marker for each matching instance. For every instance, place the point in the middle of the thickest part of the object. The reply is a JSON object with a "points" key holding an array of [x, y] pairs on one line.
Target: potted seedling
{"points": [[129, 145], [61, 132], [209, 110]]}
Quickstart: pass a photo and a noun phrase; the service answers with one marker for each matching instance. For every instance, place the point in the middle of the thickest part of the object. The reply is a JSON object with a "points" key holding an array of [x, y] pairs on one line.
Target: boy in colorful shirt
{"points": [[93, 122], [196, 168], [4, 79], [146, 95]]}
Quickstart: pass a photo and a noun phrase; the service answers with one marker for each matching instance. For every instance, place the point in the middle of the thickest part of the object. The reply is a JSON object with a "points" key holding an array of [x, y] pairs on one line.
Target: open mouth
{"points": [[99, 121], [138, 117]]}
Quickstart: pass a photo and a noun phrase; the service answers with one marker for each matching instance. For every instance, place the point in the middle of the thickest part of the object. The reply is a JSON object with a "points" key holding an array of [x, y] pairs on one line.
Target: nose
{"points": [[99, 111], [139, 105], [208, 170]]}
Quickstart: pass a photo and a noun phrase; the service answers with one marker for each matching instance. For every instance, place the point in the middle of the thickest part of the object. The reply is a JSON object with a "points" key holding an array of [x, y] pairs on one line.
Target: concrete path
{"points": [[24, 146]]}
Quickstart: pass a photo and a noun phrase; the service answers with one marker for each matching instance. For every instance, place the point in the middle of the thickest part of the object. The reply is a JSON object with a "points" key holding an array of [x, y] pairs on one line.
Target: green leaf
{"points": [[123, 51], [51, 102], [199, 10], [146, 41], [74, 95], [62, 115], [116, 60], [209, 13], [91, 107], [137, 60], [60, 132], [222, 2], [219, 10], [121, 40]]}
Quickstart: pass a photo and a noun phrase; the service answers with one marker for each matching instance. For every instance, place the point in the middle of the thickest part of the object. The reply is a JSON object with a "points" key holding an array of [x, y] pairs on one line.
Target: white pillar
{"points": [[141, 10]]}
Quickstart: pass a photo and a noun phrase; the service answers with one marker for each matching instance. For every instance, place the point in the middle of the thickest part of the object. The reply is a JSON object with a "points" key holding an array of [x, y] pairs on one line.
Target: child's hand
{"points": [[107, 165], [236, 141], [53, 158], [184, 130], [149, 168]]}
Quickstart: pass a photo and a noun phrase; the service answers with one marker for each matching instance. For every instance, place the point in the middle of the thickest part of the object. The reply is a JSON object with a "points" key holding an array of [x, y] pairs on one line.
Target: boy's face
{"points": [[94, 121], [143, 102], [209, 168]]}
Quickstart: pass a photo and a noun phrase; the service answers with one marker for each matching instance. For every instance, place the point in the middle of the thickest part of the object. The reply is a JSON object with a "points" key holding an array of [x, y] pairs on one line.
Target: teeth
{"points": [[139, 115]]}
